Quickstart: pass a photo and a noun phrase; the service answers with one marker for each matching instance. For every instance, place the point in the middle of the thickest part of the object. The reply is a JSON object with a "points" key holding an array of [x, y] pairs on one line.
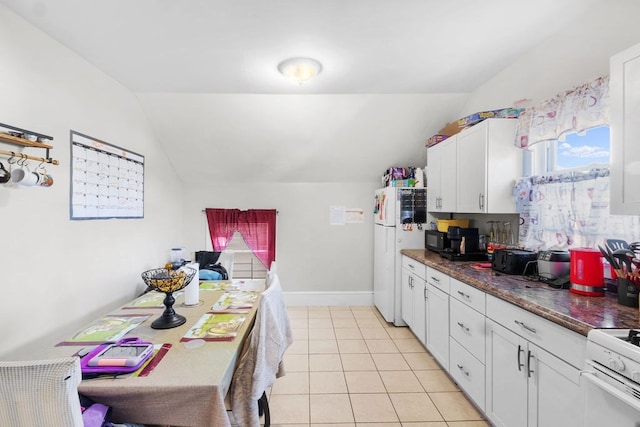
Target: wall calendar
{"points": [[106, 181]]}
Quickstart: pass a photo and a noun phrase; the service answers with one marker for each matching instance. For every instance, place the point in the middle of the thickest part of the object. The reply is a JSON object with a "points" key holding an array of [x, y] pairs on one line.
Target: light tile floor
{"points": [[349, 368]]}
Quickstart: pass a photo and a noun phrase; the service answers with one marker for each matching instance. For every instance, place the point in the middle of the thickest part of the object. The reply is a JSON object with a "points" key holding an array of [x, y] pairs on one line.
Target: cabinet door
{"points": [[434, 166], [448, 175], [419, 309], [554, 391], [406, 295], [467, 371], [506, 381], [441, 176], [437, 313], [624, 86], [472, 170]]}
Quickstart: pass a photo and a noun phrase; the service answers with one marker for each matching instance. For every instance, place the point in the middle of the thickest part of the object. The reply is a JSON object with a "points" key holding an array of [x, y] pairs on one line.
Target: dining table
{"points": [[186, 385]]}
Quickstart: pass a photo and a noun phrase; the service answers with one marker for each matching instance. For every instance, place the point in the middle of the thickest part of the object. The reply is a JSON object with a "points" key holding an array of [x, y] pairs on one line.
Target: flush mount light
{"points": [[300, 70]]}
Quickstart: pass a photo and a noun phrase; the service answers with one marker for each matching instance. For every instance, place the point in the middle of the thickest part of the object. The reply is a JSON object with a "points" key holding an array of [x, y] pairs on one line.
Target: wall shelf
{"points": [[16, 140]]}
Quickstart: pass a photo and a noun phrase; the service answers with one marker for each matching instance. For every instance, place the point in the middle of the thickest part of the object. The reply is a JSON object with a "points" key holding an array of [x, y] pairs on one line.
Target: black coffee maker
{"points": [[464, 245]]}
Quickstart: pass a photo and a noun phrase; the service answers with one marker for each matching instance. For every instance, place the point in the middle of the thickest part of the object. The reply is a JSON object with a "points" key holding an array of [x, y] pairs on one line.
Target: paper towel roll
{"points": [[192, 291]]}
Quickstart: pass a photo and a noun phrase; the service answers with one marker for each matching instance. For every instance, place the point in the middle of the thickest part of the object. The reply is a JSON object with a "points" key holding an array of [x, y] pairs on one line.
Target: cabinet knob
{"points": [[520, 364], [464, 328], [464, 371], [463, 295], [525, 326]]}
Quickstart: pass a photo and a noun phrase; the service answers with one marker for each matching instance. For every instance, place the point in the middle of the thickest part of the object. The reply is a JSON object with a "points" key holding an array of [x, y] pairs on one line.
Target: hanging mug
{"points": [[44, 179], [23, 176], [5, 175]]}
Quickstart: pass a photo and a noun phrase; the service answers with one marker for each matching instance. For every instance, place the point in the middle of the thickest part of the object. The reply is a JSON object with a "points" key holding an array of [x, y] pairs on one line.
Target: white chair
{"points": [[226, 260], [261, 359], [271, 274], [40, 393]]}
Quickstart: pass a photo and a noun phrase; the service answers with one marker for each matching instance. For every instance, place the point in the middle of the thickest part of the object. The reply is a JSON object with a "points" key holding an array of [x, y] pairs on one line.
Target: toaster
{"points": [[553, 265], [514, 261]]}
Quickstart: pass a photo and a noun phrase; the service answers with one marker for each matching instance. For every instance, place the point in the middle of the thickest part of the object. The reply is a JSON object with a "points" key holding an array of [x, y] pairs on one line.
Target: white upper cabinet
{"points": [[441, 176], [624, 90], [488, 165]]}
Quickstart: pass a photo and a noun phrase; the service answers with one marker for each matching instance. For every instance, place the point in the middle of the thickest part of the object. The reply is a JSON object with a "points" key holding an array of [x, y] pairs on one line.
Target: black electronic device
{"points": [[514, 261]]}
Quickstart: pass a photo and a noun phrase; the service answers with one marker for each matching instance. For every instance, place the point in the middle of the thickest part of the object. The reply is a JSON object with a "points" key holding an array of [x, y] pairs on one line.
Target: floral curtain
{"points": [[581, 108], [257, 227], [570, 209]]}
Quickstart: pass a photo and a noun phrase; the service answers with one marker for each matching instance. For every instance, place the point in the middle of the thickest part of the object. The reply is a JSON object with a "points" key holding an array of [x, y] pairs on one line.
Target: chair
{"points": [[41, 392], [271, 274], [261, 359], [226, 260]]}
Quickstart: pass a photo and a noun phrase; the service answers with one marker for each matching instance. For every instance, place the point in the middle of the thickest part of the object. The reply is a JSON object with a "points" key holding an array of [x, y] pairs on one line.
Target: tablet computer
{"points": [[125, 354]]}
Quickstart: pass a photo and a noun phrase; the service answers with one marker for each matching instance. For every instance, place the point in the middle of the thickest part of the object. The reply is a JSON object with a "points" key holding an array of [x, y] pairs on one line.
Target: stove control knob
{"points": [[616, 365], [635, 375]]}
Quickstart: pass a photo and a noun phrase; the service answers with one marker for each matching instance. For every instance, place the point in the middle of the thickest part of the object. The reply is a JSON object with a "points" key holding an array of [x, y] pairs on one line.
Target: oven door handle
{"points": [[590, 376]]}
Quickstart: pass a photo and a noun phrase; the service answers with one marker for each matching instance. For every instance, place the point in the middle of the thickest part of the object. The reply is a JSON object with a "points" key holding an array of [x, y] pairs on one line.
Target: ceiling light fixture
{"points": [[300, 70]]}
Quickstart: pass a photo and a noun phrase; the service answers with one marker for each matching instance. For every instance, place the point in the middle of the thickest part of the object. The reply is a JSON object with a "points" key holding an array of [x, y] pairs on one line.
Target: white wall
{"points": [[57, 273], [318, 263], [570, 58]]}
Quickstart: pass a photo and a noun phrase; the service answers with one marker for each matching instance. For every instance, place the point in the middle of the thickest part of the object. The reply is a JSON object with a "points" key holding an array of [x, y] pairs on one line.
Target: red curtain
{"points": [[222, 224], [257, 227]]}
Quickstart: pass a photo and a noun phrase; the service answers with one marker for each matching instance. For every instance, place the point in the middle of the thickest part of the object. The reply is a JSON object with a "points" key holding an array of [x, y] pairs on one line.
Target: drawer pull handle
{"points": [[466, 329], [463, 294], [465, 372], [424, 292], [528, 328], [435, 279], [520, 364], [410, 266], [530, 371]]}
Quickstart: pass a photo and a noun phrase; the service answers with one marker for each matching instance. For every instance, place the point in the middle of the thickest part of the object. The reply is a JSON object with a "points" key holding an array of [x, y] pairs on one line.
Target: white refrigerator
{"points": [[400, 217]]}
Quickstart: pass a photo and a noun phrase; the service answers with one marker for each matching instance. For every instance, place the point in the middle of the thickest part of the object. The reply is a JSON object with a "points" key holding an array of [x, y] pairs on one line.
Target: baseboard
{"points": [[293, 299]]}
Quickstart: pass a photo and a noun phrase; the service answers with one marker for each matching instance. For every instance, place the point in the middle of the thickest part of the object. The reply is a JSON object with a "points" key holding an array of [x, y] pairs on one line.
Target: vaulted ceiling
{"points": [[206, 73]]}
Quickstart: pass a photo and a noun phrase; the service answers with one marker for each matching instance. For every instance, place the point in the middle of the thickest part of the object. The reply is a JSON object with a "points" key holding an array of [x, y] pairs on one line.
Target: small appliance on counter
{"points": [[586, 272], [436, 241], [514, 261], [553, 268], [463, 245]]}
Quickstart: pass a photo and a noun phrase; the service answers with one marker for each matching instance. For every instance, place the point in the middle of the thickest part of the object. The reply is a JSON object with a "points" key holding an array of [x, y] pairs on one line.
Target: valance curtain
{"points": [[570, 209], [257, 227], [577, 110]]}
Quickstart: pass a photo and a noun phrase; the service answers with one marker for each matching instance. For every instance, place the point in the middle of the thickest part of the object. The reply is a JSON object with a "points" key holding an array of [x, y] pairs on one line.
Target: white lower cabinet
{"points": [[437, 310], [413, 296], [468, 372], [521, 370], [526, 385]]}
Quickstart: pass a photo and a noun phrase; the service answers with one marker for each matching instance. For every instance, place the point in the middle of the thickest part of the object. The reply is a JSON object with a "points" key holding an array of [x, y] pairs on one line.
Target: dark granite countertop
{"points": [[576, 312]]}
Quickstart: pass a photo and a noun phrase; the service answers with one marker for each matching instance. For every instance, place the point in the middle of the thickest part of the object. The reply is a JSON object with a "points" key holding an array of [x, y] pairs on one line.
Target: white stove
{"points": [[612, 378]]}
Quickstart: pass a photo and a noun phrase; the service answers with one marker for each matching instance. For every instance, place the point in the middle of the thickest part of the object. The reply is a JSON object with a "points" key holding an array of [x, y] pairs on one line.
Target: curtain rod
{"points": [[204, 210]]}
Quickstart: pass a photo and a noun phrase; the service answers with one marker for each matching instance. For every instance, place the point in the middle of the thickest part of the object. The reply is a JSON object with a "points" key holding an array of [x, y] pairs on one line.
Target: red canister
{"points": [[586, 272]]}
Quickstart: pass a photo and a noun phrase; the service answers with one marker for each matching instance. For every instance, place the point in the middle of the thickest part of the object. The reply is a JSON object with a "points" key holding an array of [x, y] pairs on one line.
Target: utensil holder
{"points": [[627, 293]]}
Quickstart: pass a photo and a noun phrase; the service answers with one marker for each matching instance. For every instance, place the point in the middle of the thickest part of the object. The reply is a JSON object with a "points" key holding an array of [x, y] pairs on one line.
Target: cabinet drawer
{"points": [[467, 327], [474, 298], [438, 279], [414, 266], [557, 340], [468, 372]]}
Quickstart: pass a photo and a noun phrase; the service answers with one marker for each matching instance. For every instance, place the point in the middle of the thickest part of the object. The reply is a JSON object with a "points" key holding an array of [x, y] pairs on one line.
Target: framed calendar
{"points": [[107, 181]]}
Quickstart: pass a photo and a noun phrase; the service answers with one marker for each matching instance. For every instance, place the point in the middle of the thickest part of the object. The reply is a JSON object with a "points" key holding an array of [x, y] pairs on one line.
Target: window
{"points": [[577, 152], [581, 151], [245, 264], [252, 232]]}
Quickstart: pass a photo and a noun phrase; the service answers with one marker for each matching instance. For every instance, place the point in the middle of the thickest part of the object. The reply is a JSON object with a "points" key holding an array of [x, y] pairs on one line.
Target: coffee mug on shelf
{"points": [[5, 175]]}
